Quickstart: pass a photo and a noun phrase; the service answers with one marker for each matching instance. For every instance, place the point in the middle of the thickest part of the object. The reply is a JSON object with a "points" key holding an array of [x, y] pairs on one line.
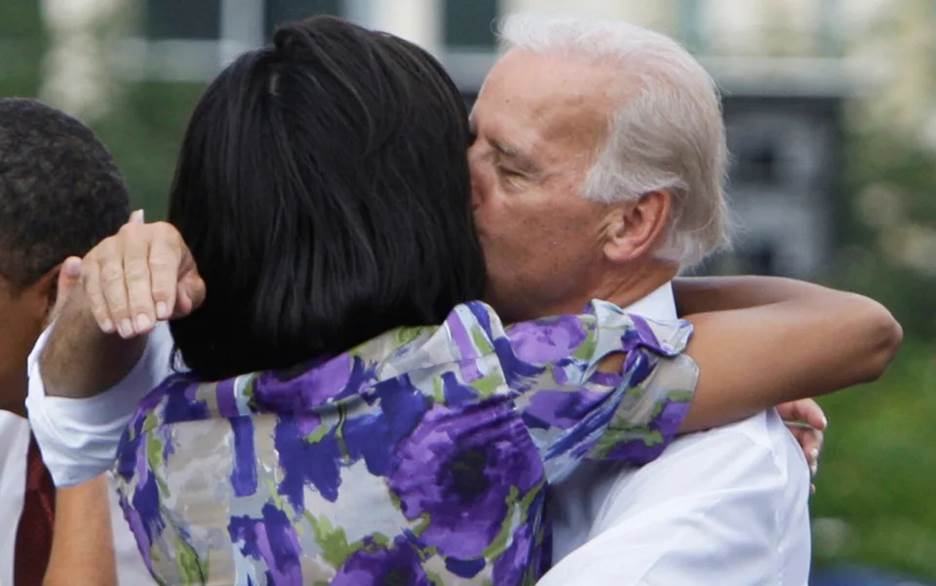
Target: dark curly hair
{"points": [[60, 191]]}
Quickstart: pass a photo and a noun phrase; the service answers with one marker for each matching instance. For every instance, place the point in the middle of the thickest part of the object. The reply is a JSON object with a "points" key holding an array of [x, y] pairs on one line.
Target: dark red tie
{"points": [[34, 533]]}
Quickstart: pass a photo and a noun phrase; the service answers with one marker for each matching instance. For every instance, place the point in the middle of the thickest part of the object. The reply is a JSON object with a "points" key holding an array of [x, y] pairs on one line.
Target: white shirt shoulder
{"points": [[726, 506]]}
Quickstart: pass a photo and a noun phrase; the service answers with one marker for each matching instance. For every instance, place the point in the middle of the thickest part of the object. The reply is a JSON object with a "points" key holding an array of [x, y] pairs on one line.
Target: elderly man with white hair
{"points": [[576, 116], [599, 155]]}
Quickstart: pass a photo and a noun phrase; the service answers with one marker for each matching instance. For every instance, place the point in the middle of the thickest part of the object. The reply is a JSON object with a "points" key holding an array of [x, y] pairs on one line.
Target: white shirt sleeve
{"points": [[728, 506], [79, 437]]}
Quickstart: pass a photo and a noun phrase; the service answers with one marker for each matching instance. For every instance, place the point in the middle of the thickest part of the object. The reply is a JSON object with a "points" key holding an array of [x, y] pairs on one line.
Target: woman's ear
{"points": [[635, 228]]}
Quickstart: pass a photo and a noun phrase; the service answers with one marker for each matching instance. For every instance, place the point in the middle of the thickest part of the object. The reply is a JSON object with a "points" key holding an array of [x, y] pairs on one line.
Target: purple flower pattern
{"points": [[413, 457]]}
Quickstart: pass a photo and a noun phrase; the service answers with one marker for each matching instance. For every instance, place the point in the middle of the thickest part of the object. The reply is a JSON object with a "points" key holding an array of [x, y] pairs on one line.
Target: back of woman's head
{"points": [[323, 189]]}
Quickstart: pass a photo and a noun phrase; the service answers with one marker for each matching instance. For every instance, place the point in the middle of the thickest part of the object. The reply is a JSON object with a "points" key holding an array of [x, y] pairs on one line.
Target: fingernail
{"points": [[107, 327], [143, 322], [825, 421], [72, 267], [162, 310], [125, 328], [814, 453]]}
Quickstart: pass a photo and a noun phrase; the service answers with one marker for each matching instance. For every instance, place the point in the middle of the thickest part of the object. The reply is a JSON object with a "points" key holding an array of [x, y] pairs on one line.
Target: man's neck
{"points": [[13, 388], [624, 287], [621, 286]]}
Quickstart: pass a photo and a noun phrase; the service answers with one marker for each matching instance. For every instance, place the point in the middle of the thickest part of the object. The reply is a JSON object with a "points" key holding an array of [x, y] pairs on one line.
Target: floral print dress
{"points": [[420, 457]]}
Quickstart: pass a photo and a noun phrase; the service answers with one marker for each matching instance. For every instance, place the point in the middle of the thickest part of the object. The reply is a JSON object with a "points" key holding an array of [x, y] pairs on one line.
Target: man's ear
{"points": [[44, 293], [67, 279], [635, 228], [49, 293]]}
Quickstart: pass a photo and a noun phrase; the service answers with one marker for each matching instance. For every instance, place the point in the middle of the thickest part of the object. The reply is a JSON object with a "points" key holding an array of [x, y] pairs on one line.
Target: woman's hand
{"points": [[807, 422], [142, 274]]}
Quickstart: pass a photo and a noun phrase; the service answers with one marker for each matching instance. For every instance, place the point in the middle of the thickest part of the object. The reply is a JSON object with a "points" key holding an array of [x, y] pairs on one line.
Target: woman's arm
{"points": [[761, 341], [82, 543]]}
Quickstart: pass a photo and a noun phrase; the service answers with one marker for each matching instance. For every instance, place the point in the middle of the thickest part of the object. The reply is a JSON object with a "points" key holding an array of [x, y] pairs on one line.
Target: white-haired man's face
{"points": [[539, 122]]}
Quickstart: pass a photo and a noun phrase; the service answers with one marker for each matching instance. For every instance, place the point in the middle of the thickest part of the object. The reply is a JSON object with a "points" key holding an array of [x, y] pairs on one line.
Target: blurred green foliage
{"points": [[878, 469], [879, 465], [143, 129], [22, 42], [144, 134], [866, 263]]}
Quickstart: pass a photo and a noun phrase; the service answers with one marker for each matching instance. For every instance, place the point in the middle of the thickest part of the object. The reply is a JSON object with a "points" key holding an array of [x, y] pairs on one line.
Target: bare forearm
{"points": [[80, 360], [754, 358], [83, 544]]}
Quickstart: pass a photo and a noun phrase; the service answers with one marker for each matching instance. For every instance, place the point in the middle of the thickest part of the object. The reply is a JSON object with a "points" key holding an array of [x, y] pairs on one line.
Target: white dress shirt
{"points": [[726, 506], [721, 507], [14, 437]]}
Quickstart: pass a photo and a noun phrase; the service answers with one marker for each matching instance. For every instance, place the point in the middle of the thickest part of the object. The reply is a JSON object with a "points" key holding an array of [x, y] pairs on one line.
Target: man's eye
{"points": [[509, 173]]}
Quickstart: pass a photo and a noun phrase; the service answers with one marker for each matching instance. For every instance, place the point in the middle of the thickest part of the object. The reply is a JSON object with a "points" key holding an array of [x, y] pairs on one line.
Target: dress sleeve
{"points": [[79, 437], [577, 408]]}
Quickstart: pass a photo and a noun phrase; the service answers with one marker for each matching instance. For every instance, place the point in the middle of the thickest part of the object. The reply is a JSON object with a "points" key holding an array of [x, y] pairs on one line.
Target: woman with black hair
{"points": [[322, 431]]}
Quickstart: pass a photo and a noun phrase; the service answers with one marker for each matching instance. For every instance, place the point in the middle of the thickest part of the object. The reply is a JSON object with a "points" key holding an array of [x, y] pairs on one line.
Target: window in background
{"points": [[188, 40], [758, 164], [183, 19], [470, 45], [783, 183], [470, 24], [689, 23], [278, 12]]}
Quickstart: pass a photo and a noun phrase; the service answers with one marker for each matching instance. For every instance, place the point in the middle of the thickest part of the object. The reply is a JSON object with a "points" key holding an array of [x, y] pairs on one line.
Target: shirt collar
{"points": [[659, 304]]}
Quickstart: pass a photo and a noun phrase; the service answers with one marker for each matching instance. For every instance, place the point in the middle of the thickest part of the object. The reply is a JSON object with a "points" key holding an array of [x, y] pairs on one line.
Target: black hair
{"points": [[323, 189], [60, 191]]}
